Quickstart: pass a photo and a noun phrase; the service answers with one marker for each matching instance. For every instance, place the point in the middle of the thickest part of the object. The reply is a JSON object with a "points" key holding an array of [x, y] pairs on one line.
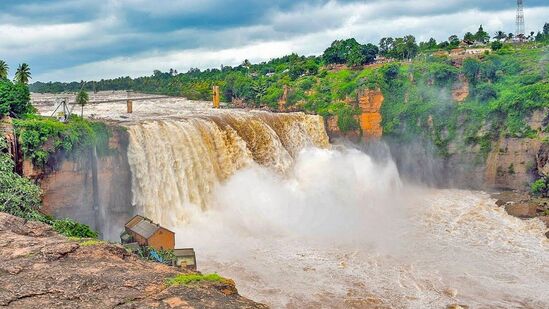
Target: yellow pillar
{"points": [[129, 105], [216, 96]]}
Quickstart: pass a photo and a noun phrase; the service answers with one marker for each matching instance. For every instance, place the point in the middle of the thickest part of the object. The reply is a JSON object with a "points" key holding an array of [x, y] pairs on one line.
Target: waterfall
{"points": [[178, 162], [265, 200]]}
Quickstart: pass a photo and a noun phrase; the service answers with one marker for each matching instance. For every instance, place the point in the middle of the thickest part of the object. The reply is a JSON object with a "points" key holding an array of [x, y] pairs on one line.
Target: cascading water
{"points": [[264, 200], [176, 163]]}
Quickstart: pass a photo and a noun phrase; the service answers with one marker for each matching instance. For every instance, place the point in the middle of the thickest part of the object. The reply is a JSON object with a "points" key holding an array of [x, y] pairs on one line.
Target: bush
{"points": [[71, 228], [346, 119], [41, 136], [496, 45], [14, 99], [18, 195], [540, 187]]}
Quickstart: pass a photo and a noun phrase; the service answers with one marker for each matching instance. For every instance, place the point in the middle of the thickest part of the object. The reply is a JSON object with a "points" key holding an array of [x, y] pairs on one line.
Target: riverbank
{"points": [[524, 206]]}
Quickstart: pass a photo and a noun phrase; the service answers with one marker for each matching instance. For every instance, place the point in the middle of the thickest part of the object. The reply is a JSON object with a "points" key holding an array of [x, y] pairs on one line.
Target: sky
{"points": [[67, 40]]}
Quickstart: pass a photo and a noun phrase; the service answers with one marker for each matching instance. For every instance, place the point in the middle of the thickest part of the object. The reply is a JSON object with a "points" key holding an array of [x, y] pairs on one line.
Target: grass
{"points": [[185, 279], [90, 242]]}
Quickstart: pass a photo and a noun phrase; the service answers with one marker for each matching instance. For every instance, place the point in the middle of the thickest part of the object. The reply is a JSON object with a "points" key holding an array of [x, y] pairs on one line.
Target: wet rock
{"points": [[526, 209], [506, 197], [545, 219]]}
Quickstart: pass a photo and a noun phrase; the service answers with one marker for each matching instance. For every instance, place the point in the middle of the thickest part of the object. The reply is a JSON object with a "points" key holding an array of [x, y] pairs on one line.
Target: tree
{"points": [[469, 38], [246, 63], [82, 99], [411, 48], [500, 35], [546, 29], [510, 36], [14, 99], [350, 52], [429, 45], [22, 75], [453, 40], [4, 68], [496, 45], [259, 88], [471, 69], [386, 45], [482, 36]]}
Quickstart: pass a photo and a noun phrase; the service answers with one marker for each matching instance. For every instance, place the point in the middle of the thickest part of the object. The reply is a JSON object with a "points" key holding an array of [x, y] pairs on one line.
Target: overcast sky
{"points": [[65, 40]]}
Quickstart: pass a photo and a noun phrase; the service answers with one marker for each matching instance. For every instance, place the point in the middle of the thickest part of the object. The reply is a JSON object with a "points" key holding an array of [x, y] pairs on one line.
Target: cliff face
{"points": [[41, 269], [94, 189], [370, 102]]}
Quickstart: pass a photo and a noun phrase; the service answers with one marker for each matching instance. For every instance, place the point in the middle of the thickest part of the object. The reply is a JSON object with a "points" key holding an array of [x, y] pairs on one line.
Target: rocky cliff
{"points": [[93, 188], [370, 102], [41, 269]]}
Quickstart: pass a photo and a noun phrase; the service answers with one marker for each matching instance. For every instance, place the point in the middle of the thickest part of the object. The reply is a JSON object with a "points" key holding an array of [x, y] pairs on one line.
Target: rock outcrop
{"points": [[542, 160], [370, 102], [511, 163], [93, 188], [460, 89], [41, 269]]}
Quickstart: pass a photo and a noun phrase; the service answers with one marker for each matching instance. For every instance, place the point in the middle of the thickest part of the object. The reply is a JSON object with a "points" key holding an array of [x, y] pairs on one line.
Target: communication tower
{"points": [[520, 19]]}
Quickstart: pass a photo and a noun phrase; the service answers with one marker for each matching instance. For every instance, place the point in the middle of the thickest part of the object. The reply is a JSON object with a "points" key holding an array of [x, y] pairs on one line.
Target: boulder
{"points": [[527, 209]]}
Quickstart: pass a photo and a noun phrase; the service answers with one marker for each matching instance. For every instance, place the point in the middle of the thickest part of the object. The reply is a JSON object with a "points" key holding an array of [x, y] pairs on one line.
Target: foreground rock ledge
{"points": [[42, 269]]}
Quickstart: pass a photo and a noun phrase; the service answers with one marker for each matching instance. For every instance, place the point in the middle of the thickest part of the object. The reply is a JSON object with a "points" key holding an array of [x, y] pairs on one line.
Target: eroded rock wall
{"points": [[370, 102], [94, 188]]}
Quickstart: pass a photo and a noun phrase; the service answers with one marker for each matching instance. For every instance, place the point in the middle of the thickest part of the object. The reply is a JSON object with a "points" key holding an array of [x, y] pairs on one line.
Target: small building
{"points": [[185, 258], [147, 233]]}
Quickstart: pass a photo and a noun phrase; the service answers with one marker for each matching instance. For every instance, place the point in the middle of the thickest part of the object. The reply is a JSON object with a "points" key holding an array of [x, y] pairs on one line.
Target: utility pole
{"points": [[520, 19]]}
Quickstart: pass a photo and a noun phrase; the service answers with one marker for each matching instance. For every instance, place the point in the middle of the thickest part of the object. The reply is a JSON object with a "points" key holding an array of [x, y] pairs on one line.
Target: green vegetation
{"points": [[145, 252], [70, 228], [22, 198], [18, 195], [350, 52], [185, 279], [540, 187], [87, 242], [40, 137], [4, 69], [23, 74], [14, 98], [82, 99]]}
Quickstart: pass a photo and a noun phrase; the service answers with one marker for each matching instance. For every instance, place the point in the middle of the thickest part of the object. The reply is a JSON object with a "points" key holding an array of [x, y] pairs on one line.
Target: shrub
{"points": [[496, 45], [71, 228], [540, 187], [42, 136], [346, 119], [18, 195], [184, 279]]}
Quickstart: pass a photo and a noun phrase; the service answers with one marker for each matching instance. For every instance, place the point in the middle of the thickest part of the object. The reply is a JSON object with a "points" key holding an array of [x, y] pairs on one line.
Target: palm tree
{"points": [[23, 74], [82, 99], [3, 69], [500, 35]]}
